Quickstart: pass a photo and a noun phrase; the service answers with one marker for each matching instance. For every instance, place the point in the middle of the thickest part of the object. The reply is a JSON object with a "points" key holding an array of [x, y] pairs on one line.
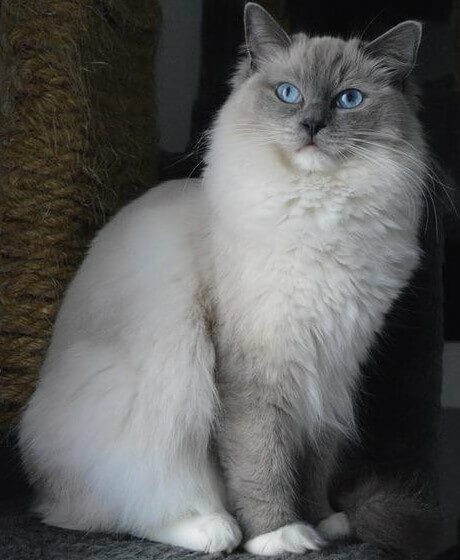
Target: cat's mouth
{"points": [[312, 157], [311, 145]]}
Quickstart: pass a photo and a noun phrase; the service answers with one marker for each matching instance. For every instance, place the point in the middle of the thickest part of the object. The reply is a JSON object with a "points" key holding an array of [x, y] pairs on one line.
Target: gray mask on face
{"points": [[327, 95]]}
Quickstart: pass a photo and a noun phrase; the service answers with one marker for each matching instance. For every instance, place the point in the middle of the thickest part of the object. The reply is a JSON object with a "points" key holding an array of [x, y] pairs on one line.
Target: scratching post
{"points": [[77, 141]]}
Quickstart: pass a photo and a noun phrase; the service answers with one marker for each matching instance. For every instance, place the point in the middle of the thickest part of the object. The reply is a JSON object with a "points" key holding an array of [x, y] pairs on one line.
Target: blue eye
{"points": [[349, 98], [288, 93]]}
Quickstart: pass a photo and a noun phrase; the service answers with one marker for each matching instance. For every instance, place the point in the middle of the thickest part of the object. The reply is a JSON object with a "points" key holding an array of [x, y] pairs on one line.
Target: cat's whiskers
{"points": [[414, 181], [428, 175], [198, 147], [431, 173], [420, 167], [254, 127], [428, 168], [383, 166]]}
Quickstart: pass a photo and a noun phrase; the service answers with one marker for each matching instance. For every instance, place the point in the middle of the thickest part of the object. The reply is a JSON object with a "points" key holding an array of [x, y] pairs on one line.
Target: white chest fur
{"points": [[305, 273]]}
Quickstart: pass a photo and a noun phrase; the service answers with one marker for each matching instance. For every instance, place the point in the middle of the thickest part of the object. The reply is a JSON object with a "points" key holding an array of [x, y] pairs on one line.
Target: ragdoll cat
{"points": [[208, 350]]}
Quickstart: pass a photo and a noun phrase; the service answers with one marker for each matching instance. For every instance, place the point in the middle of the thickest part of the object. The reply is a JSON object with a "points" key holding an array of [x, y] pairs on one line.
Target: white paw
{"points": [[297, 538], [208, 533], [336, 526]]}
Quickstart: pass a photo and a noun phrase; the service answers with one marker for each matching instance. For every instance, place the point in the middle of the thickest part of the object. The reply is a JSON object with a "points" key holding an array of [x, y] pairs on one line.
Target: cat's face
{"points": [[324, 100]]}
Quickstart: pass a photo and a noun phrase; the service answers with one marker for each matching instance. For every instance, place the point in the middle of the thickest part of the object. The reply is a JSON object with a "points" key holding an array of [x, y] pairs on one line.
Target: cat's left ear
{"points": [[398, 47], [264, 36]]}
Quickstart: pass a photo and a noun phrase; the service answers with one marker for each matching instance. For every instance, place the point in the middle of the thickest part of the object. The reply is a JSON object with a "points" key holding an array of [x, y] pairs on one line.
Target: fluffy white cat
{"points": [[235, 310]]}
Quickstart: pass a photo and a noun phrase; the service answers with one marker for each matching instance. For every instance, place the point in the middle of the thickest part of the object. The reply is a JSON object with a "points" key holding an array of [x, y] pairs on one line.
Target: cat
{"points": [[208, 350]]}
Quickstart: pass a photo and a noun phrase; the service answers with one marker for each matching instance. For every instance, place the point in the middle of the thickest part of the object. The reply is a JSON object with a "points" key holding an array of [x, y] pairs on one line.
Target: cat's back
{"points": [[168, 213], [119, 358], [137, 261]]}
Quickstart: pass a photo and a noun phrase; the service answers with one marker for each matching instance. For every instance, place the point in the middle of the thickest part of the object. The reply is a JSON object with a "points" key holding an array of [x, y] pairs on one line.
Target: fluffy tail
{"points": [[394, 516]]}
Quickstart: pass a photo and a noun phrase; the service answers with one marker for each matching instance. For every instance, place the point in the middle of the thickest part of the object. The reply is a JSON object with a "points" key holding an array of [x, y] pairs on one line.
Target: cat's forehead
{"points": [[324, 61]]}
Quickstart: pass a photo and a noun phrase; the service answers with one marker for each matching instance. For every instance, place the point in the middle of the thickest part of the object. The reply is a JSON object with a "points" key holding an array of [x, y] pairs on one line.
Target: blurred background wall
{"points": [[178, 71]]}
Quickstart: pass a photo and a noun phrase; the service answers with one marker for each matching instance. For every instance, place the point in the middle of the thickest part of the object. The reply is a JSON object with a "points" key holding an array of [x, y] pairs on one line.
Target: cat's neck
{"points": [[259, 190], [254, 188]]}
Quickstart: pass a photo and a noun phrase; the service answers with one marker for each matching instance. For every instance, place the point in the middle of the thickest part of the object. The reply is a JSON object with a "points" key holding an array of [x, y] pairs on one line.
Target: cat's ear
{"points": [[264, 35], [398, 47]]}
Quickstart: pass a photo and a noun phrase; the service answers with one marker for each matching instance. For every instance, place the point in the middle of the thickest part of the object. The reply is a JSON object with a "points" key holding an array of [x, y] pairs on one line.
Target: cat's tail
{"points": [[393, 515]]}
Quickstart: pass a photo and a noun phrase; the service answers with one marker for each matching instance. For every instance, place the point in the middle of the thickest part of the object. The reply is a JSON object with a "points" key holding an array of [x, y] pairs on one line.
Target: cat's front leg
{"points": [[318, 467], [259, 447]]}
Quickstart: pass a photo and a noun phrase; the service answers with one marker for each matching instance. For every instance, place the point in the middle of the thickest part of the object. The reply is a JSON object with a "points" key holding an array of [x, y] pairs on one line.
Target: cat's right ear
{"points": [[264, 36], [397, 48]]}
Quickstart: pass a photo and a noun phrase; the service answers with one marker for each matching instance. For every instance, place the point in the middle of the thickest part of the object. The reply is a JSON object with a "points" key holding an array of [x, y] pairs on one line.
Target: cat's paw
{"points": [[215, 532], [296, 538], [336, 526]]}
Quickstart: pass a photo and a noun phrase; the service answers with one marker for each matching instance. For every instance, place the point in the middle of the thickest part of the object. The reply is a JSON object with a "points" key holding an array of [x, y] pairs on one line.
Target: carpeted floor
{"points": [[23, 537]]}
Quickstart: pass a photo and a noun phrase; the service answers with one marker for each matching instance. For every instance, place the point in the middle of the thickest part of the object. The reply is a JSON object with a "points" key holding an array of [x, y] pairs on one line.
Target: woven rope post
{"points": [[77, 141]]}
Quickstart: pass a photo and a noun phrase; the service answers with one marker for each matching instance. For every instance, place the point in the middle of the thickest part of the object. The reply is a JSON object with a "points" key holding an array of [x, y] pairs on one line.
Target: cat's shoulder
{"points": [[174, 192], [169, 210], [166, 201]]}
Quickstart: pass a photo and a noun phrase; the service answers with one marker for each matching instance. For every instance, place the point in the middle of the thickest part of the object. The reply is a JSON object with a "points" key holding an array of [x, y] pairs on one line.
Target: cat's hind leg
{"points": [[119, 436], [186, 505]]}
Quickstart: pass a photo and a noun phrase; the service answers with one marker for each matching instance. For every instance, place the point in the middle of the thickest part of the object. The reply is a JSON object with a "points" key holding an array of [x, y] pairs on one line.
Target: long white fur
{"points": [[308, 255], [299, 254]]}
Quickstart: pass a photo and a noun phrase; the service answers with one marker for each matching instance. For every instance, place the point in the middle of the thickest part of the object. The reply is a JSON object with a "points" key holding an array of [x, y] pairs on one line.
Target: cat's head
{"points": [[324, 100]]}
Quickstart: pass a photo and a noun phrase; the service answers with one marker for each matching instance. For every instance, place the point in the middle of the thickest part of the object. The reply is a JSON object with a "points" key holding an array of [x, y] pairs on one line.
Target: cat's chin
{"points": [[312, 159]]}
